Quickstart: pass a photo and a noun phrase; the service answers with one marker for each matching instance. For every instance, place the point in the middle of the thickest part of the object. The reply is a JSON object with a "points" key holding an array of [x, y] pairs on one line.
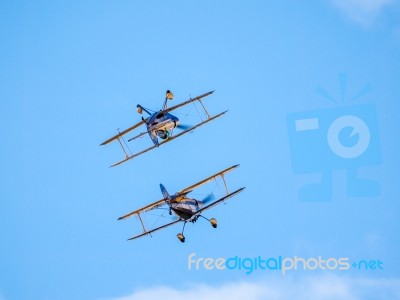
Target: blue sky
{"points": [[72, 73]]}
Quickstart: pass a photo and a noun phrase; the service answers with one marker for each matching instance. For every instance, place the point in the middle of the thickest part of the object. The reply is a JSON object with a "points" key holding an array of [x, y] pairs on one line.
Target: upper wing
{"points": [[204, 181], [220, 200], [189, 101], [155, 229], [120, 134], [144, 208]]}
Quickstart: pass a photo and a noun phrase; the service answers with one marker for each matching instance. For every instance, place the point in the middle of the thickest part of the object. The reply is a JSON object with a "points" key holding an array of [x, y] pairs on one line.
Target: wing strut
{"points": [[226, 186], [122, 146], [205, 110], [141, 221]]}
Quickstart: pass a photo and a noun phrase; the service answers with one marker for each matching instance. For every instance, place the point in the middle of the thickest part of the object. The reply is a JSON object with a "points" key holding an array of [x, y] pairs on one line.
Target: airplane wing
{"points": [[220, 200], [189, 101], [204, 181], [167, 140], [142, 122], [148, 207], [155, 229], [120, 134]]}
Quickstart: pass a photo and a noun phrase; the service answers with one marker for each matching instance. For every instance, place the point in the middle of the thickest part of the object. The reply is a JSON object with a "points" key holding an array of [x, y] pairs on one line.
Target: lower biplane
{"points": [[186, 209], [160, 125]]}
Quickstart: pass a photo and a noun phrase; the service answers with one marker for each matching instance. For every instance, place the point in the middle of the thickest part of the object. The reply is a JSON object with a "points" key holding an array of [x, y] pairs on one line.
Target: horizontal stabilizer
{"points": [[148, 207]]}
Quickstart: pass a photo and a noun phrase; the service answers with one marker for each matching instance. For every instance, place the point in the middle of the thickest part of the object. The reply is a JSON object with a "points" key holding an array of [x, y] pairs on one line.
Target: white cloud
{"points": [[306, 288], [363, 12], [201, 292]]}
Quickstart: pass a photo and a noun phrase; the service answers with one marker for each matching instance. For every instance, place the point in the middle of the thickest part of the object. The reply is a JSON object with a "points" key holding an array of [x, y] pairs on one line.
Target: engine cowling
{"points": [[163, 134]]}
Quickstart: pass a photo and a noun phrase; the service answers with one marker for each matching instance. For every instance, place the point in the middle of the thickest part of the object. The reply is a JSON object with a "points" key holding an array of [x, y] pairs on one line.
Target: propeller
{"points": [[209, 198], [183, 126]]}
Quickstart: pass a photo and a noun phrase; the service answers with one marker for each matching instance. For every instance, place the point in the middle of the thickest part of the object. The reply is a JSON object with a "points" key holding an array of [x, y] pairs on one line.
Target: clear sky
{"points": [[72, 72]]}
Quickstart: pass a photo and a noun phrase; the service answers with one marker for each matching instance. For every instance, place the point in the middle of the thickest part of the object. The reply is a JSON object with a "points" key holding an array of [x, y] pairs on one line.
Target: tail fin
{"points": [[164, 192]]}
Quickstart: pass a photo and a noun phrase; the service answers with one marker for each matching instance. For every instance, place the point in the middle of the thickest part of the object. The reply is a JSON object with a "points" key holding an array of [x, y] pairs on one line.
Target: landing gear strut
{"points": [[213, 221], [180, 236]]}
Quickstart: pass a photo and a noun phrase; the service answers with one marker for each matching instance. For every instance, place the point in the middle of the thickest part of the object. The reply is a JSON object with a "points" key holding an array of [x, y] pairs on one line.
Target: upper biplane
{"points": [[185, 208], [160, 125]]}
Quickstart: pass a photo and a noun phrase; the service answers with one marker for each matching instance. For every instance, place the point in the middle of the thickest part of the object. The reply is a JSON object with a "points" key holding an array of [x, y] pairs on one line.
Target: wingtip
{"points": [[239, 190], [234, 167]]}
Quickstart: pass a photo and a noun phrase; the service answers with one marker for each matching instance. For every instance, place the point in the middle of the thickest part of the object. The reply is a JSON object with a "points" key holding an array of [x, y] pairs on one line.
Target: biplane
{"points": [[186, 209], [160, 125]]}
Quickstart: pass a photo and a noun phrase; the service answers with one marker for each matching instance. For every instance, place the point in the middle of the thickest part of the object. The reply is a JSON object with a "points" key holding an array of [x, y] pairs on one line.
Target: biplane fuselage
{"points": [[183, 206], [186, 208], [161, 124]]}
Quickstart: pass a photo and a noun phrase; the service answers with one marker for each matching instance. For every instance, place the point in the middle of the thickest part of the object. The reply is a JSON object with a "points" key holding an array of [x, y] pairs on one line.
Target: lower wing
{"points": [[155, 229]]}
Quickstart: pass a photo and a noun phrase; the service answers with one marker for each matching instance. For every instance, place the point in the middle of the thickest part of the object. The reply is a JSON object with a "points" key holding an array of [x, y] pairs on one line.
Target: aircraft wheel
{"points": [[214, 222], [181, 237]]}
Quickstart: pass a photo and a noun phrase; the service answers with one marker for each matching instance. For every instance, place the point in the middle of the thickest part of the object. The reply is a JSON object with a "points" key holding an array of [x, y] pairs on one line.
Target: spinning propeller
{"points": [[183, 126], [209, 198]]}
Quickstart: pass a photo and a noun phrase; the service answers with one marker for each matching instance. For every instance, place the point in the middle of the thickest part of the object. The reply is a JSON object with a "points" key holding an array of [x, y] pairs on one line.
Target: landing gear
{"points": [[214, 222], [180, 236]]}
